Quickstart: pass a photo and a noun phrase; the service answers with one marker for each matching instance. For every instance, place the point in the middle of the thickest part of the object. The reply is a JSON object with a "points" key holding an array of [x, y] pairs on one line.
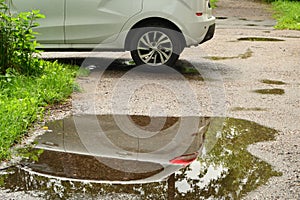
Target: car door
{"points": [[51, 29], [97, 21]]}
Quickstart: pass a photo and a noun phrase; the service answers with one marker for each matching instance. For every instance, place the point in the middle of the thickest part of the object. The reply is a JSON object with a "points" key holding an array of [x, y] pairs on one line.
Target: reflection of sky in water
{"points": [[213, 173]]}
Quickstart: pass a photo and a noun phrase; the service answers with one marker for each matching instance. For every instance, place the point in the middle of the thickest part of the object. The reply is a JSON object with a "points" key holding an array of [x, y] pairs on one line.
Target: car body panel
{"points": [[97, 21], [51, 29]]}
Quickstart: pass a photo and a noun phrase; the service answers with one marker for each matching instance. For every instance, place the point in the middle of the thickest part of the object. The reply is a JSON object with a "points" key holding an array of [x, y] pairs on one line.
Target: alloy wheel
{"points": [[155, 48]]}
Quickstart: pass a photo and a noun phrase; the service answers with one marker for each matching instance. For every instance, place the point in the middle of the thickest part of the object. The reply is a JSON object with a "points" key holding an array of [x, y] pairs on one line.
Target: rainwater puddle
{"points": [[260, 39], [275, 91], [272, 82], [138, 157], [246, 55], [248, 109], [221, 17], [251, 24]]}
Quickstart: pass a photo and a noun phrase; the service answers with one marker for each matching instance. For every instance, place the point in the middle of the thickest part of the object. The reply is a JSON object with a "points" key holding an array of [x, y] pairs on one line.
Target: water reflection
{"points": [[129, 144], [66, 169]]}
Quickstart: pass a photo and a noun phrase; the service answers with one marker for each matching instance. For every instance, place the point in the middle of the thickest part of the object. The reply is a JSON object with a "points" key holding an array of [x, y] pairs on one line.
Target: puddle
{"points": [[291, 36], [220, 57], [245, 55], [245, 19], [272, 82], [221, 18], [248, 109], [251, 25], [260, 39], [77, 161], [275, 91], [269, 25]]}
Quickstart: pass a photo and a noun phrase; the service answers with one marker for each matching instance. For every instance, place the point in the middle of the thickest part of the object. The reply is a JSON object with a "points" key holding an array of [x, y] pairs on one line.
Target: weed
{"points": [[213, 3], [287, 14], [27, 84], [17, 44], [22, 99]]}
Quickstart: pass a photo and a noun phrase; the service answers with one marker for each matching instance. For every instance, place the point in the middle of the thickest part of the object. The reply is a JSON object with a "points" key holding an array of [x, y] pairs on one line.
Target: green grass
{"points": [[287, 14], [22, 99], [213, 3]]}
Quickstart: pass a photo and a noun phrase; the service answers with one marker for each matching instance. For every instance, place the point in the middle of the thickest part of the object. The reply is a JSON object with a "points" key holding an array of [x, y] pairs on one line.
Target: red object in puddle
{"points": [[185, 159]]}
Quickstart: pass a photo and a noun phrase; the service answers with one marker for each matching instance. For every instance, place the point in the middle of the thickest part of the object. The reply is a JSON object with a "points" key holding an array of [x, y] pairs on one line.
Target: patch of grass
{"points": [[22, 99], [213, 3], [287, 14], [27, 84], [83, 72], [17, 40]]}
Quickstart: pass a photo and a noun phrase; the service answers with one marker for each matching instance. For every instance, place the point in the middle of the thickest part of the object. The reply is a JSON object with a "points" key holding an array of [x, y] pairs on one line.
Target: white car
{"points": [[155, 31], [145, 150]]}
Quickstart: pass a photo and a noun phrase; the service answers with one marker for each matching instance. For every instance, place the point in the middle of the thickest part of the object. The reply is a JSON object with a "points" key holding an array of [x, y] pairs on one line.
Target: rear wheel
{"points": [[156, 45]]}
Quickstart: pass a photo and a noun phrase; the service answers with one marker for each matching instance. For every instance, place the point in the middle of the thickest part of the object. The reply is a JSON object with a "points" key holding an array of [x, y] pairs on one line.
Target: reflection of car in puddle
{"points": [[119, 148], [226, 171]]}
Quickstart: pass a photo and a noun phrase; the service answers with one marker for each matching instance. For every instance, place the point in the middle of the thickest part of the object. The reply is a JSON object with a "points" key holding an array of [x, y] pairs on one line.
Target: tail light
{"points": [[185, 160], [199, 14]]}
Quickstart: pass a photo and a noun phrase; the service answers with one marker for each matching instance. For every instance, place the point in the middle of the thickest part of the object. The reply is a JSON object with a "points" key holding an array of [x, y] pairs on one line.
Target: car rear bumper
{"points": [[210, 33], [199, 31]]}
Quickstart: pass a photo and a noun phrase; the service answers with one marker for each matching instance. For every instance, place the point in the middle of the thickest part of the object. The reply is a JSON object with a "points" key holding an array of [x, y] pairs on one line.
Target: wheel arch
{"points": [[153, 20]]}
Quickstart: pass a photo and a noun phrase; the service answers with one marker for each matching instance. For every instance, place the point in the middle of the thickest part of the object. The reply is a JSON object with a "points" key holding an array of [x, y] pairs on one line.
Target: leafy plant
{"points": [[22, 99], [287, 14], [17, 44], [27, 84], [213, 3]]}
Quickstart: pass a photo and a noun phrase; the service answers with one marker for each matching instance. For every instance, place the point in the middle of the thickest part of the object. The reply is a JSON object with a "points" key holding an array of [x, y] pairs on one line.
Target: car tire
{"points": [[155, 44]]}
